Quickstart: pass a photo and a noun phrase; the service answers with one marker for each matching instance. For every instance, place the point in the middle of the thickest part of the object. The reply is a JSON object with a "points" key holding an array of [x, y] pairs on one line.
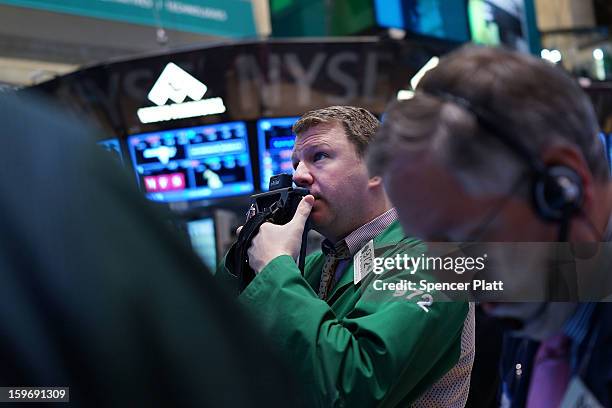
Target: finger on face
{"points": [[303, 210]]}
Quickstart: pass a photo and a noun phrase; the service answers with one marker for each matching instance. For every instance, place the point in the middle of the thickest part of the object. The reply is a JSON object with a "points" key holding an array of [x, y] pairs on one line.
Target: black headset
{"points": [[557, 191]]}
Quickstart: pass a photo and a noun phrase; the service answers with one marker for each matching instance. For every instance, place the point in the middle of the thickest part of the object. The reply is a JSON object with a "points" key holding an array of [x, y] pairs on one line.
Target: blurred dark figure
{"points": [[498, 146], [96, 292]]}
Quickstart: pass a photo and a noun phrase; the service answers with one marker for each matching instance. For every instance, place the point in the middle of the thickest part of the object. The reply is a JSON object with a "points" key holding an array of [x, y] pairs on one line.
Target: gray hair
{"points": [[534, 101]]}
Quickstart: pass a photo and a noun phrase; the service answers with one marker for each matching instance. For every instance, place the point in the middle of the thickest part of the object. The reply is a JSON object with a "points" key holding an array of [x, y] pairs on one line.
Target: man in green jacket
{"points": [[349, 343]]}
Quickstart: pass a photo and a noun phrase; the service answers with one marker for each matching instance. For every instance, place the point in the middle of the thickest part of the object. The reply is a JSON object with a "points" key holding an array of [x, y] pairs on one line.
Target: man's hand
{"points": [[275, 240]]}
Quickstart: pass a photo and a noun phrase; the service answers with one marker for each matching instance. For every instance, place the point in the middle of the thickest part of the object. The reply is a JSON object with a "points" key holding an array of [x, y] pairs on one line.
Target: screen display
{"points": [[437, 18], [495, 22], [275, 145], [112, 146], [194, 163], [202, 235]]}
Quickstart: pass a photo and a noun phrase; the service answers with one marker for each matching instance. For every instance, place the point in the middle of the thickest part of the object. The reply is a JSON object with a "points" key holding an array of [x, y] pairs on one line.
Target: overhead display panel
{"points": [[241, 81], [438, 18], [496, 22], [229, 18], [163, 106]]}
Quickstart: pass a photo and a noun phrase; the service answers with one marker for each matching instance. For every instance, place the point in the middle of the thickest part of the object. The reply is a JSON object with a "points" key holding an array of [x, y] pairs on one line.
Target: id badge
{"points": [[579, 396], [363, 262]]}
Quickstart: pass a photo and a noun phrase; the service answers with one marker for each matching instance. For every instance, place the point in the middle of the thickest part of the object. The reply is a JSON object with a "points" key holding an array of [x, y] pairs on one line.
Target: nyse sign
{"points": [[288, 80], [254, 79]]}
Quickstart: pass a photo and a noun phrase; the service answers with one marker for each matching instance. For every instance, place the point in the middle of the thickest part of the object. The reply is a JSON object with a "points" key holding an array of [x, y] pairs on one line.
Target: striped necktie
{"points": [[333, 255]]}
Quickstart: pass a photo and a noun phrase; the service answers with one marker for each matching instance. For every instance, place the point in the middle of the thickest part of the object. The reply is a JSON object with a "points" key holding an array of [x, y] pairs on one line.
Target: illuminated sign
{"points": [[174, 84]]}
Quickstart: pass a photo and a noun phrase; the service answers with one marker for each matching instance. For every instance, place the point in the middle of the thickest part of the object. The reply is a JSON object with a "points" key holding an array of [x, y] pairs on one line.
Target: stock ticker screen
{"points": [[275, 145], [200, 162]]}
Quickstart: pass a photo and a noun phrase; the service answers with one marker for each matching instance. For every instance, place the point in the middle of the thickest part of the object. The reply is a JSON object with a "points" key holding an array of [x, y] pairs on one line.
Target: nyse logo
{"points": [[174, 84]]}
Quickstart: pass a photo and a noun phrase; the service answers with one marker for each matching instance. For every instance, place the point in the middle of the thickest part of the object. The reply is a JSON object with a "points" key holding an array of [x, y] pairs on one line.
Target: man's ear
{"points": [[375, 181]]}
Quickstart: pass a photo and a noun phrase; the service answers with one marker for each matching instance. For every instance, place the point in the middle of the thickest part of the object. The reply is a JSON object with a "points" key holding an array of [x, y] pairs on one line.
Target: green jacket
{"points": [[361, 348]]}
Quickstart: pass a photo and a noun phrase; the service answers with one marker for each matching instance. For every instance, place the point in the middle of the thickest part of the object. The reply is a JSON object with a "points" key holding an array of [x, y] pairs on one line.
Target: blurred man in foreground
{"points": [[98, 294], [498, 146]]}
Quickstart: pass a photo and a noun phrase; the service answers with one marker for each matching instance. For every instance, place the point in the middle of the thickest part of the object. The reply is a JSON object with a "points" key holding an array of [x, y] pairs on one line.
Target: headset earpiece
{"points": [[557, 193]]}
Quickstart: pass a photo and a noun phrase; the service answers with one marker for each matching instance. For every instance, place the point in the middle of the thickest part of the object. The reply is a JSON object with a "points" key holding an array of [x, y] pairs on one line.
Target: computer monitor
{"points": [[496, 22], [112, 146], [276, 141], [445, 19], [200, 162], [202, 235]]}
